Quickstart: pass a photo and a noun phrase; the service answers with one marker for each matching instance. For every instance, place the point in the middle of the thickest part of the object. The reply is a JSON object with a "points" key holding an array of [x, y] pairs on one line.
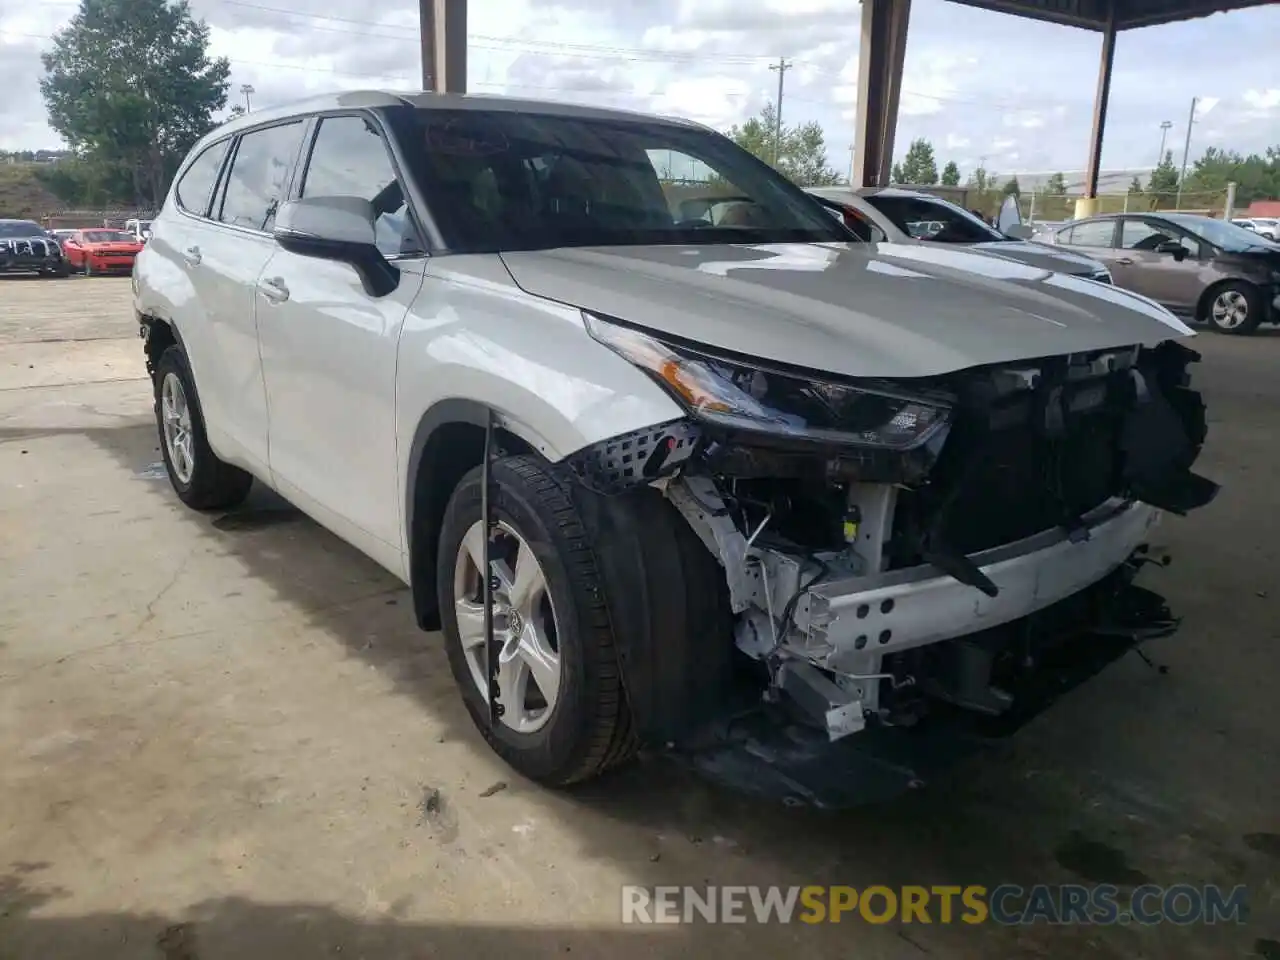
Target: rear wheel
{"points": [[564, 717], [1235, 308], [199, 478]]}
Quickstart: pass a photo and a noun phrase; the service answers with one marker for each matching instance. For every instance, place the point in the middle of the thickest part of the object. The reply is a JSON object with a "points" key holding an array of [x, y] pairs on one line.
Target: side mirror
{"points": [[341, 229], [1019, 231], [1172, 246]]}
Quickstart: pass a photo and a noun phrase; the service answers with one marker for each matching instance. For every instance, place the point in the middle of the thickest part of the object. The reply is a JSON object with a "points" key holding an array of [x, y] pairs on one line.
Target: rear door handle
{"points": [[274, 289], [192, 256]]}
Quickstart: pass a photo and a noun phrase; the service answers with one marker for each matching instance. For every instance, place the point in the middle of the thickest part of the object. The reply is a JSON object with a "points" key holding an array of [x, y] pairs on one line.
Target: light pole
{"points": [[247, 90], [1164, 132], [1186, 150]]}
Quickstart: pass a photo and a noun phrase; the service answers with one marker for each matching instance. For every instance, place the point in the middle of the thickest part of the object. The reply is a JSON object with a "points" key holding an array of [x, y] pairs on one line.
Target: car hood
{"points": [[860, 310], [1039, 255]]}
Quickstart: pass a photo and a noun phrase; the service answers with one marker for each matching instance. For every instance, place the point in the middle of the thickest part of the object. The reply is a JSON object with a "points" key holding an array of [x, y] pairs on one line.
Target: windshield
{"points": [[499, 180], [930, 218], [1227, 236], [20, 229], [107, 236]]}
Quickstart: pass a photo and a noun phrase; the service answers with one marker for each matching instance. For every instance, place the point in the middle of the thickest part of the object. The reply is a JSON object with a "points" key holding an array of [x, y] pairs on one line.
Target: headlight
{"points": [[744, 396]]}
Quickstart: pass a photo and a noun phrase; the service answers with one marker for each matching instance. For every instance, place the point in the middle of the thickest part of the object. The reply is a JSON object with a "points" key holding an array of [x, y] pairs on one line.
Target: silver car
{"points": [[910, 214], [677, 461]]}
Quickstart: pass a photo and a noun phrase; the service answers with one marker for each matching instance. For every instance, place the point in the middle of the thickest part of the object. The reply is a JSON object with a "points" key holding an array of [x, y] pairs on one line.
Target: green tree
{"points": [[1011, 188], [1056, 186], [1164, 178], [896, 175], [919, 165], [1135, 187], [799, 153], [951, 174], [130, 84], [980, 178], [1256, 176]]}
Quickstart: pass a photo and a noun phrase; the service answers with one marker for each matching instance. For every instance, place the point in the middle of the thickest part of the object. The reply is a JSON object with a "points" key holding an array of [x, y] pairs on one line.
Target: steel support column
{"points": [[443, 31], [1100, 100], [881, 57]]}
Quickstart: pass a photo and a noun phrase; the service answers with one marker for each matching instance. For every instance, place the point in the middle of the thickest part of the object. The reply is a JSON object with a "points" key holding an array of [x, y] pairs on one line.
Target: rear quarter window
{"points": [[196, 185]]}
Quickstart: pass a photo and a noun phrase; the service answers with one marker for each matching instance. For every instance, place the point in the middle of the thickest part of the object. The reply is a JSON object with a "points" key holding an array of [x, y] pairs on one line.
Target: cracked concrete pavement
{"points": [[224, 737]]}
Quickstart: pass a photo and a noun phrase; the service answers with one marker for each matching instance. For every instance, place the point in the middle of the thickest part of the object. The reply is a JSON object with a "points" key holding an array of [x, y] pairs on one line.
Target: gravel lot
{"points": [[224, 738]]}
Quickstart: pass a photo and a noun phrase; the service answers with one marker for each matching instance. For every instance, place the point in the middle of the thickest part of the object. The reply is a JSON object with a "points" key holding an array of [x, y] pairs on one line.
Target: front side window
{"points": [[20, 229], [499, 180], [349, 159], [1141, 235], [196, 184], [259, 175], [1093, 233]]}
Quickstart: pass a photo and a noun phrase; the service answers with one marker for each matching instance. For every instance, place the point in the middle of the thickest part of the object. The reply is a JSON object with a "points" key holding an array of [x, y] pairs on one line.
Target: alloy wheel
{"points": [[175, 415], [524, 625], [1230, 309]]}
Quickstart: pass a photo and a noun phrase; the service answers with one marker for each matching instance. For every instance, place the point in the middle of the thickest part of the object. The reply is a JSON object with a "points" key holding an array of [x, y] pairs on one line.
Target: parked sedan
{"points": [[101, 251], [1197, 267], [930, 219]]}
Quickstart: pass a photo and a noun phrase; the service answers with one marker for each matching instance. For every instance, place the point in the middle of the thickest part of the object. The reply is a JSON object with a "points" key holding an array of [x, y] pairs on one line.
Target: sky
{"points": [[1011, 94]]}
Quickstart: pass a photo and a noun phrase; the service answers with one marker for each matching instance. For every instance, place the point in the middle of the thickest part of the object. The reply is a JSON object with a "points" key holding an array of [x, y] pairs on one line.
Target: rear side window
{"points": [[197, 183], [1094, 233], [259, 175], [350, 159]]}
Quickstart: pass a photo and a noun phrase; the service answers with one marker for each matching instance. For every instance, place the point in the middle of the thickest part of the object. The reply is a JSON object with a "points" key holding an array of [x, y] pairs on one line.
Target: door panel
{"points": [[1173, 283], [329, 359]]}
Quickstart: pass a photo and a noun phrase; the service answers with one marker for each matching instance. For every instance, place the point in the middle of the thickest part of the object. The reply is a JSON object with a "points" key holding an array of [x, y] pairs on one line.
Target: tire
{"points": [[200, 479], [59, 272], [587, 728], [1234, 308]]}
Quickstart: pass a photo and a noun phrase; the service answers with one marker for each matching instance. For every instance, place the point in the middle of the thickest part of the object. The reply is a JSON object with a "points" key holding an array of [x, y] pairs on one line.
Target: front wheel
{"points": [[199, 478], [1235, 308], [564, 716]]}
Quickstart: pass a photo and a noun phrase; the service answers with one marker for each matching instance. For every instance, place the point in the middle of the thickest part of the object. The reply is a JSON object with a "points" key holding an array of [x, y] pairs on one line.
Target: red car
{"points": [[101, 251]]}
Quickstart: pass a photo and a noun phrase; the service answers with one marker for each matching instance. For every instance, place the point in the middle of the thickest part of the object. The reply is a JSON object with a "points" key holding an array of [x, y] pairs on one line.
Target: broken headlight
{"points": [[749, 396]]}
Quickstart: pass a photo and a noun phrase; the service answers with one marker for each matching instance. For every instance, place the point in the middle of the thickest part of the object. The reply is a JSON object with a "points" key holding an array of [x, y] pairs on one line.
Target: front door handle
{"points": [[192, 256], [1124, 261], [274, 289]]}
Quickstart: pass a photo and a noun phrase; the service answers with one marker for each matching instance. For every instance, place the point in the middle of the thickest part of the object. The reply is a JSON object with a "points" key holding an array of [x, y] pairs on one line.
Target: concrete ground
{"points": [[224, 737]]}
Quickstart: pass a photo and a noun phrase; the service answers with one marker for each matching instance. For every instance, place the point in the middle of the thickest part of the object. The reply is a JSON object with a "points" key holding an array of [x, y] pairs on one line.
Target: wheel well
{"points": [[448, 453], [159, 338], [1211, 291]]}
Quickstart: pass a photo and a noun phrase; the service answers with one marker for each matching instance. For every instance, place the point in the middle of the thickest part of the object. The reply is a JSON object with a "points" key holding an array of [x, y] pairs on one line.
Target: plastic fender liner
{"points": [[636, 458], [669, 607]]}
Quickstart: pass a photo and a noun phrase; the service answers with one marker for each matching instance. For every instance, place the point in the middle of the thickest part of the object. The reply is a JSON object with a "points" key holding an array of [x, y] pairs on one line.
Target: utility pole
{"points": [[782, 66], [1164, 132], [1186, 151], [247, 90]]}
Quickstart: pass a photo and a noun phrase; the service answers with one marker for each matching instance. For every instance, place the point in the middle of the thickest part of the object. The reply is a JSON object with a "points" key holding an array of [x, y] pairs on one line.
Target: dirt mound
{"points": [[22, 195]]}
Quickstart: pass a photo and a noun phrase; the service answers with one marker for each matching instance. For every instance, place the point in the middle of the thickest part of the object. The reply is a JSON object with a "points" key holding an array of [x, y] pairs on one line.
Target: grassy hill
{"points": [[22, 195]]}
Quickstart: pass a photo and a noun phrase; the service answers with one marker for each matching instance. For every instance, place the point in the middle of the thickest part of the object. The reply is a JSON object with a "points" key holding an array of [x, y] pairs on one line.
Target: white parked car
{"points": [[740, 466], [1268, 227]]}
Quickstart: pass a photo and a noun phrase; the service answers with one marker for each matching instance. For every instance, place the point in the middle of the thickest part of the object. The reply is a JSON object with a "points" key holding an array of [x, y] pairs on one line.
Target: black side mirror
{"points": [[337, 228], [1172, 246]]}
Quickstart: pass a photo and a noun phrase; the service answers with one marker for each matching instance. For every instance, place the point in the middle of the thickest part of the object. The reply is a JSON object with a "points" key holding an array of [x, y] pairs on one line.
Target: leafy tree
{"points": [[1011, 188], [896, 175], [919, 165], [1164, 178], [1135, 187], [951, 174], [1256, 177], [1056, 186], [801, 152], [130, 83]]}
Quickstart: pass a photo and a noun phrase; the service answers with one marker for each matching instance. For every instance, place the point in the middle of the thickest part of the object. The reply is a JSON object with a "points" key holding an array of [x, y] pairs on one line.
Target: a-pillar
{"points": [[881, 56], [1087, 205], [443, 29]]}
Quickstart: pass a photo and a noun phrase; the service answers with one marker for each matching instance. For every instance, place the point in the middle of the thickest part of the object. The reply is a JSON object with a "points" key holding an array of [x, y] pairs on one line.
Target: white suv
{"points": [[839, 489]]}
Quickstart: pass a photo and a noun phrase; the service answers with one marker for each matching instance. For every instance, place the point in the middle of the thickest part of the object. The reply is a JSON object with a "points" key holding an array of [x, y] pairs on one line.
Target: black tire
{"points": [[59, 272], [214, 484], [589, 730], [1251, 296]]}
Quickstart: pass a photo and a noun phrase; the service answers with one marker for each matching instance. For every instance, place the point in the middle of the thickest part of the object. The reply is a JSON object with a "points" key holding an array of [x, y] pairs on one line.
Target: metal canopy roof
{"points": [[1095, 14]]}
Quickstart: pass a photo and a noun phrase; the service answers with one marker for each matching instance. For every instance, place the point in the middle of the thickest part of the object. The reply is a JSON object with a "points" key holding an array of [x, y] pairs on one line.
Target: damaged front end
{"points": [[911, 565]]}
